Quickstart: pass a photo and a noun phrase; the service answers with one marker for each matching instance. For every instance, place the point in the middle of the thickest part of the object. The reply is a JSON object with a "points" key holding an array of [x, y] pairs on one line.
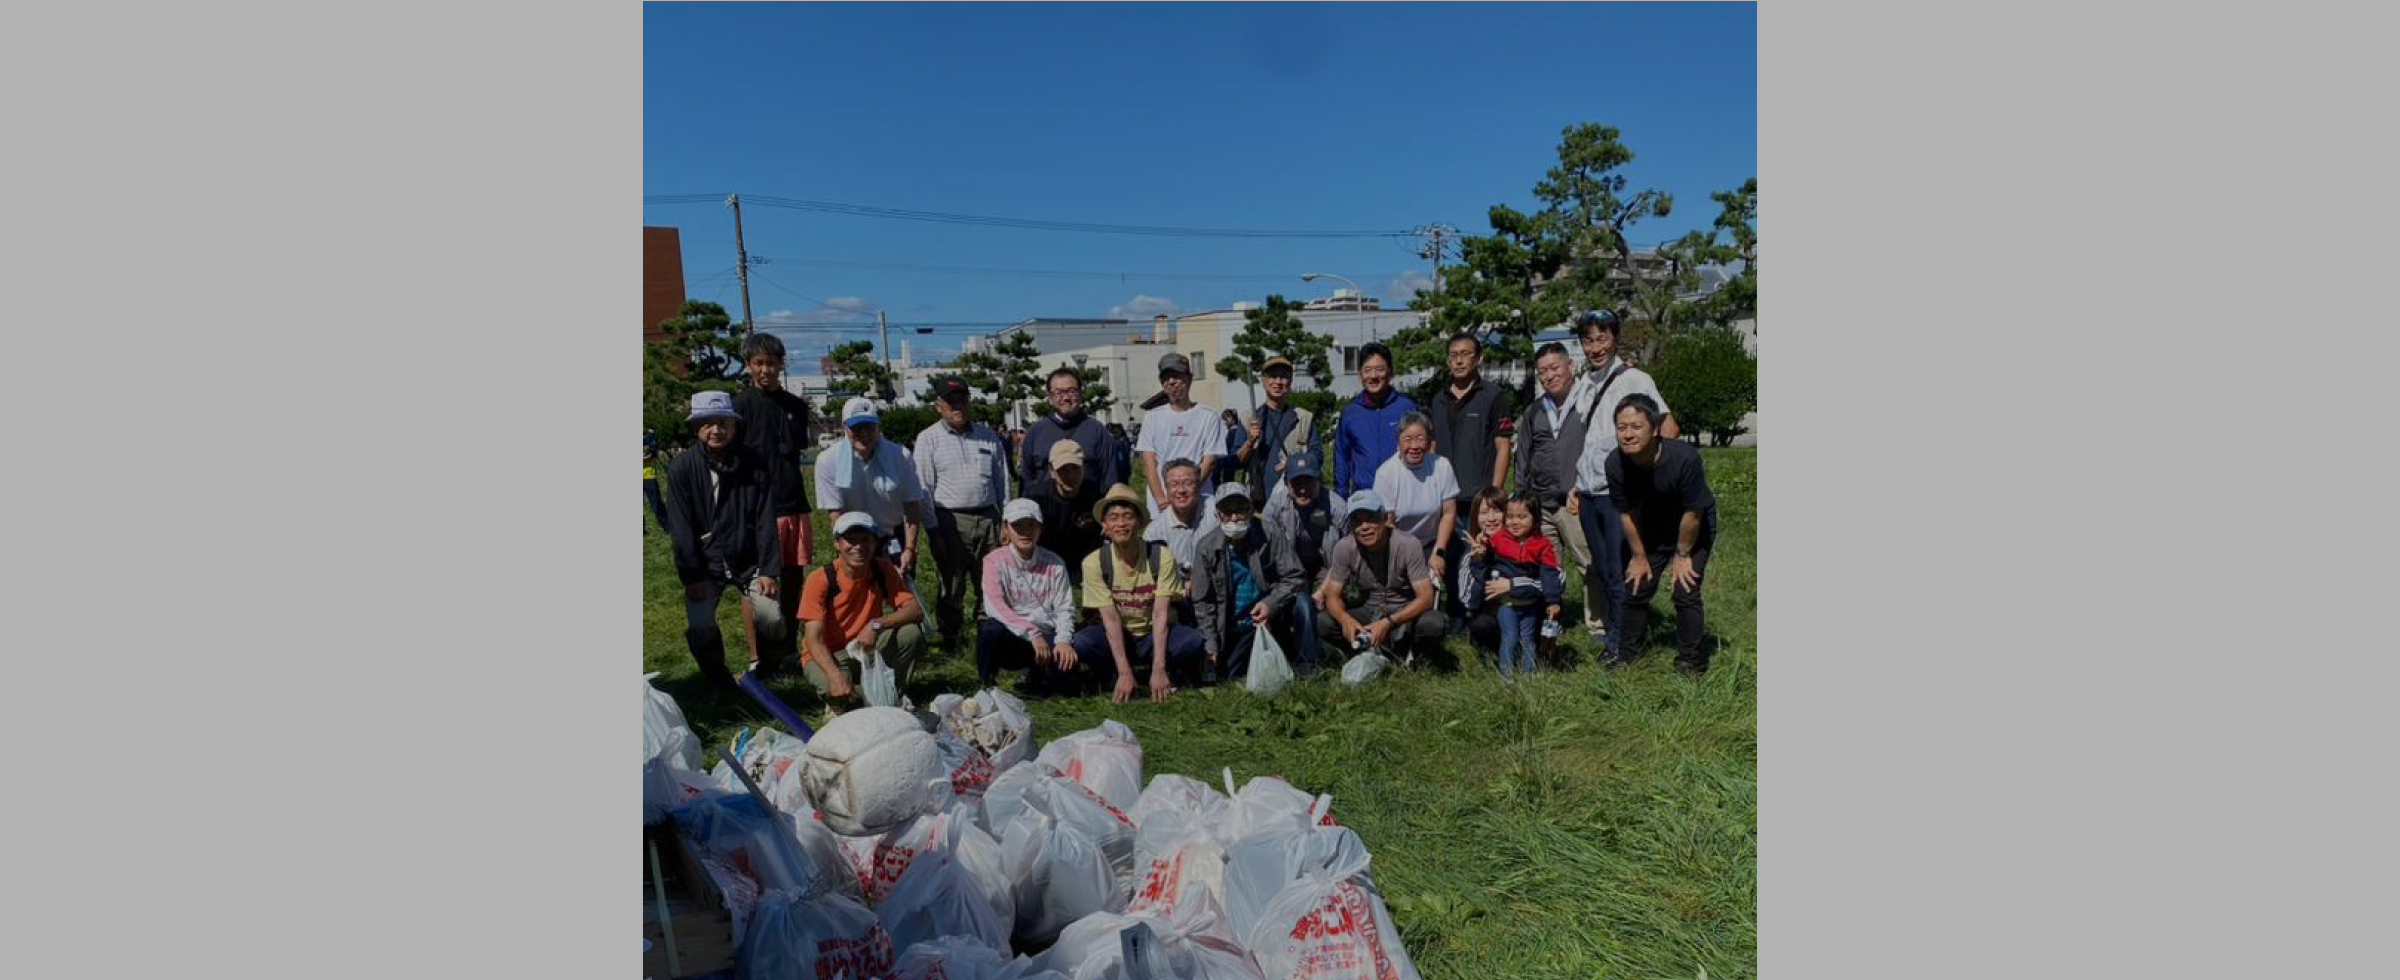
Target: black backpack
{"points": [[875, 567], [1108, 562]]}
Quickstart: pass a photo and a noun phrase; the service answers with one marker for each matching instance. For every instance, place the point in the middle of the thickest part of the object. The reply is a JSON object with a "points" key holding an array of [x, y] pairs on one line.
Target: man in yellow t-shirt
{"points": [[1132, 582]]}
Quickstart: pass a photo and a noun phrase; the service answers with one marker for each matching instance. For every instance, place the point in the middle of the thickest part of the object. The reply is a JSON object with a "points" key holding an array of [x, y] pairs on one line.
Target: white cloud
{"points": [[1399, 291], [1143, 307]]}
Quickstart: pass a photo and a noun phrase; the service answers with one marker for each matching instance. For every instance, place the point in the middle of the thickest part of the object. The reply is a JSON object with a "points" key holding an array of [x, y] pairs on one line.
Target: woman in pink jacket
{"points": [[1028, 606]]}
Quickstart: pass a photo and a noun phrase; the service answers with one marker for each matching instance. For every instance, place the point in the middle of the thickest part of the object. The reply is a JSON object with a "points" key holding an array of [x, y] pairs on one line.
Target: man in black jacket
{"points": [[722, 521], [775, 426], [1244, 578]]}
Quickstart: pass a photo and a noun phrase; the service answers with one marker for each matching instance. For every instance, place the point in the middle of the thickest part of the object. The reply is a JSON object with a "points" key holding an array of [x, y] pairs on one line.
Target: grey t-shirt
{"points": [[1388, 575]]}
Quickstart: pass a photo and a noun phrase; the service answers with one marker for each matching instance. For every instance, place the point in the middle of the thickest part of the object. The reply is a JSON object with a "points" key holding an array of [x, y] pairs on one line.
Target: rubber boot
{"points": [[708, 649]]}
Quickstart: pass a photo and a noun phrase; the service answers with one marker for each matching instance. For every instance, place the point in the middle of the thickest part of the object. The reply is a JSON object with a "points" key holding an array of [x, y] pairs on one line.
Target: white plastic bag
{"points": [[1065, 860], [1108, 759], [772, 760], [876, 681], [993, 721], [666, 786], [1364, 667], [830, 935], [737, 829], [1331, 924], [665, 733], [1004, 799], [971, 772], [1169, 792], [1193, 944], [1260, 867], [1268, 671], [949, 958], [957, 886], [1181, 859]]}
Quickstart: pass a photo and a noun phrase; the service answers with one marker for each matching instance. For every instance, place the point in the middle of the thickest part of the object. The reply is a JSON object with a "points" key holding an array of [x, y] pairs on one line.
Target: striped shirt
{"points": [[1030, 597], [962, 472]]}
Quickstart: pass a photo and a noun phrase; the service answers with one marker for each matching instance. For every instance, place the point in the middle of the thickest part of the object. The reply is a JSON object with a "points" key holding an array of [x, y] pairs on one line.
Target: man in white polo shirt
{"points": [[963, 466], [869, 473], [1179, 429]]}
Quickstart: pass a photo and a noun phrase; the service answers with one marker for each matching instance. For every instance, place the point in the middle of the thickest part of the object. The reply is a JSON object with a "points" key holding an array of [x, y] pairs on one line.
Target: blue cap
{"points": [[1309, 463], [712, 405], [859, 411], [1365, 500]]}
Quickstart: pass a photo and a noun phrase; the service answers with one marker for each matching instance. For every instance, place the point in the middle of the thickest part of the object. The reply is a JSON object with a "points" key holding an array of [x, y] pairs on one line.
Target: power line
{"points": [[995, 221], [1041, 273]]}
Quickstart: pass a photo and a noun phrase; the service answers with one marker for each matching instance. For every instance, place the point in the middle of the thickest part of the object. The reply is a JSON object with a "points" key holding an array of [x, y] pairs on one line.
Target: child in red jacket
{"points": [[1519, 570]]}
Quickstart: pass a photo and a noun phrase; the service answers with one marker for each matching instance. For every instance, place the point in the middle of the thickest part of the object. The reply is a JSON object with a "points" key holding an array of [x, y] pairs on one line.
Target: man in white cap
{"points": [[721, 518], [859, 599], [963, 466], [870, 474], [1028, 606], [1394, 610], [1244, 579], [1179, 429]]}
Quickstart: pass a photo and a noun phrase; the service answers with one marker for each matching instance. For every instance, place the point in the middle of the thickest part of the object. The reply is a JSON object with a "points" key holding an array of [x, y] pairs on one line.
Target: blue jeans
{"points": [[1520, 627], [1604, 581]]}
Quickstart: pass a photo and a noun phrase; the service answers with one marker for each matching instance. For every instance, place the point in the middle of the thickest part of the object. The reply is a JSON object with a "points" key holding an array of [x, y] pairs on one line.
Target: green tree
{"points": [[853, 370], [1738, 299], [1714, 381], [1097, 399], [1009, 374], [1535, 271], [702, 351], [901, 423], [1273, 330]]}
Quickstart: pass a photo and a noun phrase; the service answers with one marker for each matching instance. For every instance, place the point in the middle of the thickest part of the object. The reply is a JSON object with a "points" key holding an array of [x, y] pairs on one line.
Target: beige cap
{"points": [[1065, 452]]}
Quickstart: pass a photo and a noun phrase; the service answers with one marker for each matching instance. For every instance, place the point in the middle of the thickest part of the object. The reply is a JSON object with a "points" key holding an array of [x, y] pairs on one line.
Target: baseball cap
{"points": [[1231, 491], [1174, 362], [1307, 464], [1065, 452], [948, 387], [1277, 361], [1365, 500], [852, 521], [859, 411], [712, 405], [1021, 509]]}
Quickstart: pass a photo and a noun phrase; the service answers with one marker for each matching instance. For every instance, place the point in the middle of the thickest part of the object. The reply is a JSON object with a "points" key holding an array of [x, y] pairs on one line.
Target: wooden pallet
{"points": [[695, 913]]}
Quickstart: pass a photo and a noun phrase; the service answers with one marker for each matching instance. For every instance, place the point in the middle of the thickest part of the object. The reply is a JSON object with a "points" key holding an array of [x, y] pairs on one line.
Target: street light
{"points": [[1356, 293]]}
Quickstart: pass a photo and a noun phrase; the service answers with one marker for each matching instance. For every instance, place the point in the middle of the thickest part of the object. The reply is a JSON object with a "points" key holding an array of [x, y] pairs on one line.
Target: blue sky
{"points": [[1260, 116]]}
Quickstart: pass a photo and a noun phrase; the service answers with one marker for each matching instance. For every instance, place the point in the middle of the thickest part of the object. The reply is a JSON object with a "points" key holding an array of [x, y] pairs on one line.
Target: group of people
{"points": [[1086, 584]]}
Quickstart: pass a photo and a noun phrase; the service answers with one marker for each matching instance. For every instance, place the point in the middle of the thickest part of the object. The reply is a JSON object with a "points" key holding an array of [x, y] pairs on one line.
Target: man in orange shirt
{"points": [[870, 603]]}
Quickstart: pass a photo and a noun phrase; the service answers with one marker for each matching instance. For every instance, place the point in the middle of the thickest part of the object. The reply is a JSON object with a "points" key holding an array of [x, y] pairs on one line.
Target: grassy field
{"points": [[1589, 823]]}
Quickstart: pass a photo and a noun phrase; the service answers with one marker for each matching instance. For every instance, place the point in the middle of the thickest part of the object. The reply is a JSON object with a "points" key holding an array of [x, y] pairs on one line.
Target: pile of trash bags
{"points": [[1025, 864]]}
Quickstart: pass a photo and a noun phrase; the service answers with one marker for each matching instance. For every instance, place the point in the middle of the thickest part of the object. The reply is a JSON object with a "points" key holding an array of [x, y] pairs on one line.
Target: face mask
{"points": [[1235, 529]]}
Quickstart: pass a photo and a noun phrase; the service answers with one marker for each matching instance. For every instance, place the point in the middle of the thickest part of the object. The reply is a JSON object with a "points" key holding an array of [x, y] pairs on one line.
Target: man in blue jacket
{"points": [[1369, 431]]}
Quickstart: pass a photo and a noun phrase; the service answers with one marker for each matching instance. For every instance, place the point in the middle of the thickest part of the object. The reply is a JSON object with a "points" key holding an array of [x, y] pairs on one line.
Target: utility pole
{"points": [[741, 256], [1435, 245], [883, 344]]}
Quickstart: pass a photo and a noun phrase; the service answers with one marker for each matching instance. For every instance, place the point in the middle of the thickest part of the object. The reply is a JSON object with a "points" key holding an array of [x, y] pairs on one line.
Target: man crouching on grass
{"points": [[1670, 521], [1133, 583], [860, 595]]}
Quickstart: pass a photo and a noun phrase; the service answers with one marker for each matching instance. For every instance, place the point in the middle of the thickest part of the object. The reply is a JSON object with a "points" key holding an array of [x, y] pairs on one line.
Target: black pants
{"points": [[997, 649], [1691, 624]]}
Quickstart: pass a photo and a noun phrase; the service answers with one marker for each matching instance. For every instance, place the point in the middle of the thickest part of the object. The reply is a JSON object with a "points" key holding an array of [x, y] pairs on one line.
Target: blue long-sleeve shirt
{"points": [[1366, 436]]}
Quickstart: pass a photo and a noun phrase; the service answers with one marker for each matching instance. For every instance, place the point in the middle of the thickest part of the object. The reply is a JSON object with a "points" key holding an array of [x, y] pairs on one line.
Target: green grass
{"points": [[1588, 823]]}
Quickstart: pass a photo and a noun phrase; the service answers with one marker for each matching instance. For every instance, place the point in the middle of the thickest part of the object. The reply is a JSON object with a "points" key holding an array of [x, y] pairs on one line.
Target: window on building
{"points": [[1350, 360], [1199, 367]]}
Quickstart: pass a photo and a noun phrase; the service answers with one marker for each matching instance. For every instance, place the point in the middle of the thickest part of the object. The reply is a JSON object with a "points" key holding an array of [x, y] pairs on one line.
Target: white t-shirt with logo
{"points": [[1195, 433]]}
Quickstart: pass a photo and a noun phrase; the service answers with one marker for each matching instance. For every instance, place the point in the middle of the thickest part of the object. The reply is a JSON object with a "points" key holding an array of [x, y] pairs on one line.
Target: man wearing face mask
{"points": [[1244, 578]]}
